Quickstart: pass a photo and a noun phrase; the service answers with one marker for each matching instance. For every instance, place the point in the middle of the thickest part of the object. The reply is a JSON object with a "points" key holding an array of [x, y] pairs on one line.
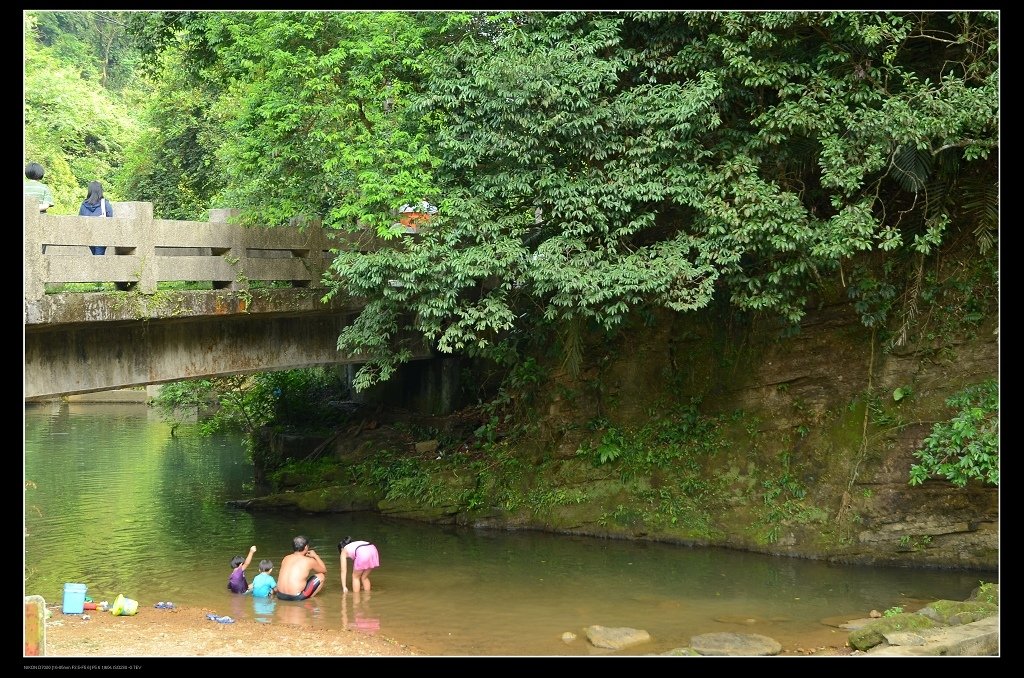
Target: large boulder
{"points": [[954, 612], [615, 638], [735, 645], [874, 633]]}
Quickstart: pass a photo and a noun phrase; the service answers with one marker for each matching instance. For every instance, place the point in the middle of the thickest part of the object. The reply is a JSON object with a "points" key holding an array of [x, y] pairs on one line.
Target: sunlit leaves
{"points": [[77, 130], [591, 164], [668, 154]]}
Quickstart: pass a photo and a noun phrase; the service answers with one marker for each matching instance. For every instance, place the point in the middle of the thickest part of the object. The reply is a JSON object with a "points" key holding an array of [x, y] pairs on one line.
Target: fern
{"points": [[912, 167], [981, 205]]}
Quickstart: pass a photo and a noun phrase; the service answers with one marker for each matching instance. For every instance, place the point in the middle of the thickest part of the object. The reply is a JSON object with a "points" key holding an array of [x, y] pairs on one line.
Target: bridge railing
{"points": [[142, 251]]}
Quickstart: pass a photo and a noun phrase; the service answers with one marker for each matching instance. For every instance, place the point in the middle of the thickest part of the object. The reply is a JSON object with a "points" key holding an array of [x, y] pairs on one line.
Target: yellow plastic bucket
{"points": [[124, 606]]}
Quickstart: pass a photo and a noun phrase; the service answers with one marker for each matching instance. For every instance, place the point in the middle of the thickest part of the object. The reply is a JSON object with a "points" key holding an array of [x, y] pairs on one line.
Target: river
{"points": [[113, 500]]}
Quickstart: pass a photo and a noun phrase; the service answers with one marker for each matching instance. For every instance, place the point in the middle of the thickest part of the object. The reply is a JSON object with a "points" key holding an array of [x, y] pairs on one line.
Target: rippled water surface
{"points": [[116, 502]]}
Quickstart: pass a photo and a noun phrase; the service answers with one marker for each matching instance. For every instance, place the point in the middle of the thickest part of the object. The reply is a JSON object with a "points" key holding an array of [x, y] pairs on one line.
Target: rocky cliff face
{"points": [[698, 430], [817, 451]]}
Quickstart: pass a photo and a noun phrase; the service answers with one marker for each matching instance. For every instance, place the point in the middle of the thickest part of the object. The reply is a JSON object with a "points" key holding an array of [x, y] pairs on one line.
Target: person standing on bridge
{"points": [[35, 188], [95, 205]]}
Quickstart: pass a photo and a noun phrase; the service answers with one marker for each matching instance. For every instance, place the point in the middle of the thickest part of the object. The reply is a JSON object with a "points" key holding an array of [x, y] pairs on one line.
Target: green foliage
{"points": [[883, 416], [314, 473], [78, 288], [172, 163], [541, 499], [677, 440], [77, 130], [300, 398], [182, 399], [662, 465], [782, 502], [313, 107], [99, 44], [610, 447], [460, 482], [872, 298], [508, 410], [966, 447], [588, 166], [915, 543], [305, 398], [893, 611], [988, 592], [624, 516], [596, 164], [957, 304]]}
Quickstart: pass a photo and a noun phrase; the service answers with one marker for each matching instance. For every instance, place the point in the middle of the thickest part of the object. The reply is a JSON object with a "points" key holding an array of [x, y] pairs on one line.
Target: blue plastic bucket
{"points": [[74, 598]]}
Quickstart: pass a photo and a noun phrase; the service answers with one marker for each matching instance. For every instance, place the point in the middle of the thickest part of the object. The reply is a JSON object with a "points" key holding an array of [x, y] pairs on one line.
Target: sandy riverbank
{"points": [[186, 632]]}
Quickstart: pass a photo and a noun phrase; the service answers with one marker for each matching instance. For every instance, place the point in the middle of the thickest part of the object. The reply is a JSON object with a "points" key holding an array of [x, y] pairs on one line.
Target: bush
{"points": [[967, 446]]}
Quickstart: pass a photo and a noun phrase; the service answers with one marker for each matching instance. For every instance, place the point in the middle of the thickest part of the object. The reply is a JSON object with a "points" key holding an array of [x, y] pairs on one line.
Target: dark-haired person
{"points": [[302, 574], [364, 557], [237, 583], [95, 205], [264, 585], [35, 188]]}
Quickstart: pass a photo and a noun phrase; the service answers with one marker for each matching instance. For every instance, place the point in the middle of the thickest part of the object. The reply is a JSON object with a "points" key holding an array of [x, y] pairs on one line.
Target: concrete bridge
{"points": [[263, 313]]}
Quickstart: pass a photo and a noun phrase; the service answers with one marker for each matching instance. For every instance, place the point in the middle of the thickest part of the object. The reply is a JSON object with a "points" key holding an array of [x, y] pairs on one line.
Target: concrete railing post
{"points": [[314, 260], [236, 252], [35, 614], [141, 216], [32, 242]]}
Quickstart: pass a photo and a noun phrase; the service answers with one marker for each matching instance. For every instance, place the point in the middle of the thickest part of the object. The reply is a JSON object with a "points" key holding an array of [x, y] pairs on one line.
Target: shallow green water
{"points": [[113, 501]]}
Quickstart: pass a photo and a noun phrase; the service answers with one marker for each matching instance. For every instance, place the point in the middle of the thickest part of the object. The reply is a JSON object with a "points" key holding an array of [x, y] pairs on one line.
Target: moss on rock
{"points": [[952, 612], [873, 633]]}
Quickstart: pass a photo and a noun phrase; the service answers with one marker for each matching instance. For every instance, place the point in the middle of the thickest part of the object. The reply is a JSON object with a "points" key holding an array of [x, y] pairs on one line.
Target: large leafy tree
{"points": [[285, 114], [100, 44], [590, 165], [173, 162], [594, 164], [315, 114]]}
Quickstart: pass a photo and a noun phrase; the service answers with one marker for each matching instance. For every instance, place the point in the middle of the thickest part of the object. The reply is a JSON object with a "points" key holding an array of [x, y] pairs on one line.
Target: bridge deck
{"points": [[85, 342]]}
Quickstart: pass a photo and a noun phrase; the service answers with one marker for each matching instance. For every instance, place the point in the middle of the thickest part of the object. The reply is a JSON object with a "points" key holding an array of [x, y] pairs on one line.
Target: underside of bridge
{"points": [[101, 356], [95, 342]]}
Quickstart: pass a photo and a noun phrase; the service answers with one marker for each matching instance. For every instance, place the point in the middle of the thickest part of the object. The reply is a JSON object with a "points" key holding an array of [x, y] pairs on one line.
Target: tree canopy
{"points": [[594, 164], [587, 165]]}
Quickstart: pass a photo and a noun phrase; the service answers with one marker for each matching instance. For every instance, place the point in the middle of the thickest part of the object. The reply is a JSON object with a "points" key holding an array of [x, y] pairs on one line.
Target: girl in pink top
{"points": [[364, 558]]}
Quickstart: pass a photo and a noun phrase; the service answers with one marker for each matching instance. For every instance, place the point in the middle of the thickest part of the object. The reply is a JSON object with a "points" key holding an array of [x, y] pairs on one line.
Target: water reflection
{"points": [[361, 617], [263, 608], [298, 612], [119, 504]]}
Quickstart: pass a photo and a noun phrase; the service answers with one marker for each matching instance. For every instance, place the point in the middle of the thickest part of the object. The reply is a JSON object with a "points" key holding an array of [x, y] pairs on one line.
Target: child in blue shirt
{"points": [[263, 585]]}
